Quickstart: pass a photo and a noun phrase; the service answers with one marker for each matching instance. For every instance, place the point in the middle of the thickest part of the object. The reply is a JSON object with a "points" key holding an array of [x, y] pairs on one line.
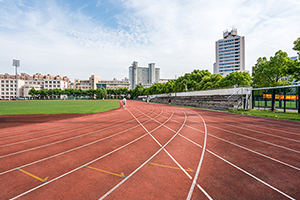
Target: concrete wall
{"points": [[219, 102]]}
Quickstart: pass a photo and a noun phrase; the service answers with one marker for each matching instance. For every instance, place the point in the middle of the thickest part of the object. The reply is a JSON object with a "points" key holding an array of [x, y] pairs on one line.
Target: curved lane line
{"points": [[22, 151], [30, 133], [244, 171], [189, 176], [107, 154], [200, 162], [137, 169]]}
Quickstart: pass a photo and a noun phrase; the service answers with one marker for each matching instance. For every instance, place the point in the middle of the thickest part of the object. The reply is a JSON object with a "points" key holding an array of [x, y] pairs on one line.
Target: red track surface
{"points": [[159, 150]]}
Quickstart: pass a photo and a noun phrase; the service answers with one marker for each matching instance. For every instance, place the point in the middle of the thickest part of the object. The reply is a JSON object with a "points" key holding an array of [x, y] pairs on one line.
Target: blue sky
{"points": [[103, 37]]}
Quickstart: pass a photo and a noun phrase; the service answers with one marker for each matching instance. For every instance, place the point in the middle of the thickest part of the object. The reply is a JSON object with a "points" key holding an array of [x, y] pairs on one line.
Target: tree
{"points": [[294, 68], [236, 79], [272, 73], [32, 92]]}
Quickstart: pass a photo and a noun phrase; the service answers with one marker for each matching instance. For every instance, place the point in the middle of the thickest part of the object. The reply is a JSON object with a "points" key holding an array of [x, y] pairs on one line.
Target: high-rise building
{"points": [[145, 76], [230, 53]]}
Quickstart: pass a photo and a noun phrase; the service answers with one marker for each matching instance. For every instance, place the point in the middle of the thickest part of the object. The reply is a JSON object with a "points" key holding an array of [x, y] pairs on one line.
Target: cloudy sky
{"points": [[103, 37]]}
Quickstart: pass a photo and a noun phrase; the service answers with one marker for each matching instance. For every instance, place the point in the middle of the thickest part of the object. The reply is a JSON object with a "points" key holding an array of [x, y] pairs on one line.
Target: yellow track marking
{"points": [[101, 170], [188, 169], [38, 178]]}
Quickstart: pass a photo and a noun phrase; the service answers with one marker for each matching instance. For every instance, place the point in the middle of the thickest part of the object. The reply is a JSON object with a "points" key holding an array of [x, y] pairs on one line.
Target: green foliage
{"points": [[297, 46], [236, 79], [272, 73]]}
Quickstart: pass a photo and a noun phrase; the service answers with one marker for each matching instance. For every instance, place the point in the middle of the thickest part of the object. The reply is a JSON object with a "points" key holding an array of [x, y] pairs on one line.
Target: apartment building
{"points": [[9, 88], [87, 84], [114, 84], [230, 53]]}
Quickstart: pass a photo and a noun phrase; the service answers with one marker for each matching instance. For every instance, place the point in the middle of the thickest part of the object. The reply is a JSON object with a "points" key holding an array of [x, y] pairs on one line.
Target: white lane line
{"points": [[252, 138], [281, 162], [60, 141], [277, 136], [199, 165], [47, 136], [244, 171], [79, 147], [200, 162], [56, 122], [63, 126], [65, 174], [120, 183]]}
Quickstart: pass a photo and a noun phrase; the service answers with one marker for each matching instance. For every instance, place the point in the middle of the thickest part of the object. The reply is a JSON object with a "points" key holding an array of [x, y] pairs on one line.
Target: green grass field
{"points": [[268, 113], [56, 106]]}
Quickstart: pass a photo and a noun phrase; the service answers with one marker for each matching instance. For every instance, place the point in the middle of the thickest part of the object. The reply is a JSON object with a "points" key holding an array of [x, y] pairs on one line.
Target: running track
{"points": [[152, 151]]}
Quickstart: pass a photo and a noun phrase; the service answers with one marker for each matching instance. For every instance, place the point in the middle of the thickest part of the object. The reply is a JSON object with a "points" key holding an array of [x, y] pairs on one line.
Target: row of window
{"points": [[232, 63], [11, 81], [229, 47], [229, 40], [229, 70], [226, 57], [7, 93], [232, 43], [232, 66], [8, 85], [229, 60], [229, 50], [225, 54], [7, 89]]}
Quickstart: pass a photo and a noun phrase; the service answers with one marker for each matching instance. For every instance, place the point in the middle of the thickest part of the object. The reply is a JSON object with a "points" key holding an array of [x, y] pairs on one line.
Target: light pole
{"points": [[16, 63]]}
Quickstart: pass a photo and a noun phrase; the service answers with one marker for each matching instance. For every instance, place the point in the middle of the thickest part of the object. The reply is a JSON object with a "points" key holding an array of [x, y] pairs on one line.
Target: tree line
{"points": [[279, 70]]}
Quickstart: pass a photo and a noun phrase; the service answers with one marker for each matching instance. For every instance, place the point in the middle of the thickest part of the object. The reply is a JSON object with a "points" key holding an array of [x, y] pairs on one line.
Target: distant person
{"points": [[169, 101], [148, 100], [124, 103]]}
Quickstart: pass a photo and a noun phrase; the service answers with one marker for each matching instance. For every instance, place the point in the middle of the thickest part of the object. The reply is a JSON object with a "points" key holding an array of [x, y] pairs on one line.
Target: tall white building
{"points": [[145, 76], [230, 53]]}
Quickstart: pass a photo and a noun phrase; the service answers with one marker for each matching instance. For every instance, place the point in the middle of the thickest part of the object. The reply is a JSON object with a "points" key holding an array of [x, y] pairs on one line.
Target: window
{"points": [[6, 85], [7, 89], [38, 82], [11, 85], [11, 81], [2, 85], [2, 89], [6, 81], [46, 81], [58, 82], [46, 85], [54, 85], [50, 81], [54, 81], [11, 89], [2, 81]]}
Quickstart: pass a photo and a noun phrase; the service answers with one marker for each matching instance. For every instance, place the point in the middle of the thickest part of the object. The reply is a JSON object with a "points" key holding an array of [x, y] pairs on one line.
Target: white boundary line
{"points": [[22, 151], [200, 162], [198, 169], [244, 171], [75, 148], [53, 124], [120, 183], [85, 164], [281, 162]]}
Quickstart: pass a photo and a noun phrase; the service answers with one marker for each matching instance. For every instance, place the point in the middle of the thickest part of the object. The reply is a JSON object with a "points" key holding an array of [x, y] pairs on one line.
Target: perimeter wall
{"points": [[222, 99]]}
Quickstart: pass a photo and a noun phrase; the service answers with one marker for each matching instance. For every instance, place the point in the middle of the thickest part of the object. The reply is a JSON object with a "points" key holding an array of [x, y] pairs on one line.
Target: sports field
{"points": [[152, 151], [56, 106]]}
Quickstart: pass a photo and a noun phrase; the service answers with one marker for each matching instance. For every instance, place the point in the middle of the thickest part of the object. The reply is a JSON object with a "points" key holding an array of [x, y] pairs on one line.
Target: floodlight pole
{"points": [[16, 63]]}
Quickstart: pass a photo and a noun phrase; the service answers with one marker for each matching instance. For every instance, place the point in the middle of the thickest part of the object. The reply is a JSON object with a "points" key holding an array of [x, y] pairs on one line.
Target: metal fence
{"points": [[285, 97]]}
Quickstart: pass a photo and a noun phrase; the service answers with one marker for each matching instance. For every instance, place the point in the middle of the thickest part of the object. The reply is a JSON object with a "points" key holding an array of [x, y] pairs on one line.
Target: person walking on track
{"points": [[124, 103], [169, 101]]}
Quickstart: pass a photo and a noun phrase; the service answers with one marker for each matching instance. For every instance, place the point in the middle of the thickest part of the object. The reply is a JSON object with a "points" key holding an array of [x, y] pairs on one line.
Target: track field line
{"points": [[182, 169], [277, 130], [70, 150], [252, 138], [267, 120], [200, 162], [47, 136], [50, 123], [60, 141], [268, 157], [30, 133], [272, 144], [137, 169], [242, 170], [86, 164], [199, 165]]}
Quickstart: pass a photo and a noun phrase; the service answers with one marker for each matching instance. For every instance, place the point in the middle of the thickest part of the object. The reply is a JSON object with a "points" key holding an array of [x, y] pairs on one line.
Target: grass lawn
{"points": [[268, 113], [56, 106]]}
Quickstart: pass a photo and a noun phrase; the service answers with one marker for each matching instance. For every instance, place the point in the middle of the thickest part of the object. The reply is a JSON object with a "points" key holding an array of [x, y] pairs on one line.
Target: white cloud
{"points": [[178, 36]]}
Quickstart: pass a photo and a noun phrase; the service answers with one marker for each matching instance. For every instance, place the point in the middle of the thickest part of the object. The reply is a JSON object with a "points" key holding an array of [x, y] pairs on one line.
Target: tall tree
{"points": [[294, 69], [236, 79]]}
